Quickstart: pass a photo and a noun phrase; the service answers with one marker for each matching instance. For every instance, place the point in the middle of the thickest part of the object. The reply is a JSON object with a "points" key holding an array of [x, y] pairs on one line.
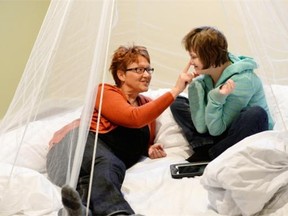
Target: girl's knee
{"points": [[257, 116], [181, 103], [256, 112], [177, 102]]}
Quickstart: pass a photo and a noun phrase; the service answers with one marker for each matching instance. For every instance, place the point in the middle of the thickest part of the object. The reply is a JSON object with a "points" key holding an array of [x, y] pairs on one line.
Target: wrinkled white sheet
{"points": [[250, 175], [24, 191], [151, 191]]}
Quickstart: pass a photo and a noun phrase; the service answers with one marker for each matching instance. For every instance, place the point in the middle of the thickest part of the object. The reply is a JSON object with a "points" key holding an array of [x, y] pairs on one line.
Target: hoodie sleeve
{"points": [[197, 103], [221, 110]]}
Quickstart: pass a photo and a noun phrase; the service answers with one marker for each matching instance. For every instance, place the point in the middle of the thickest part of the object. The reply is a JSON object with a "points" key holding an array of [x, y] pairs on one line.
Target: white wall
{"points": [[159, 25]]}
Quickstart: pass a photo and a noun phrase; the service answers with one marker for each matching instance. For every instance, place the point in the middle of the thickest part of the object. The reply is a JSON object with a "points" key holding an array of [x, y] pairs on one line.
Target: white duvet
{"points": [[249, 178], [24, 191], [250, 175]]}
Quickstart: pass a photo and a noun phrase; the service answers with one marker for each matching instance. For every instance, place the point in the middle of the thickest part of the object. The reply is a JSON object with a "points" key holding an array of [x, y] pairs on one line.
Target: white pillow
{"points": [[26, 192], [168, 132], [31, 150], [33, 147]]}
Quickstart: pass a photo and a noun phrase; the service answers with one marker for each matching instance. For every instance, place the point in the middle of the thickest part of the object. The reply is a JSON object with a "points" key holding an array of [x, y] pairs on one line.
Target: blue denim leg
{"points": [[251, 120], [181, 112], [109, 172]]}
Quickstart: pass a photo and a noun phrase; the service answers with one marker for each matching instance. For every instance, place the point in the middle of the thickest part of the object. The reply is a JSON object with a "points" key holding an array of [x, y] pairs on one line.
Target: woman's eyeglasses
{"points": [[141, 70]]}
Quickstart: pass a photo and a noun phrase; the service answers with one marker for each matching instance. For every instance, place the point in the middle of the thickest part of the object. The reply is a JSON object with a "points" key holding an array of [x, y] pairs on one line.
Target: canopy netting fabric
{"points": [[72, 52]]}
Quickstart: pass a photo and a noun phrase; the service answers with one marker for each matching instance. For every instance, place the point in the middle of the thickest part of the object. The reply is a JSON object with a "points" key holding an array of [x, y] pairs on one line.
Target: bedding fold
{"points": [[247, 176]]}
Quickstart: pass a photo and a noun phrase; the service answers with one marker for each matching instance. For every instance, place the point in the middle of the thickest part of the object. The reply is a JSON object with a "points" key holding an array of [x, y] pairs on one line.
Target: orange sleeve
{"points": [[116, 109]]}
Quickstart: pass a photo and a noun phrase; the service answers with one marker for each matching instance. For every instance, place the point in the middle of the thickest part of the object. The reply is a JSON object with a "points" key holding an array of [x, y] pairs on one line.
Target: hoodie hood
{"points": [[240, 64]]}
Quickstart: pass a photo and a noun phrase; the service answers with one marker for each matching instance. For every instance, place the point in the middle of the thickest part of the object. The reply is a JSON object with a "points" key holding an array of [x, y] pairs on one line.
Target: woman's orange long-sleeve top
{"points": [[117, 111]]}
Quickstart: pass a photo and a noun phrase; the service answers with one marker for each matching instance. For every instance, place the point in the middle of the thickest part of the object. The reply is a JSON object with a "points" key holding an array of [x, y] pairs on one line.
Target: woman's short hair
{"points": [[209, 44], [124, 56]]}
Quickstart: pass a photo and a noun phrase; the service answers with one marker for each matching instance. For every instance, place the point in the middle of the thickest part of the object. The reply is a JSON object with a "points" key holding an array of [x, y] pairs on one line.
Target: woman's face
{"points": [[137, 82]]}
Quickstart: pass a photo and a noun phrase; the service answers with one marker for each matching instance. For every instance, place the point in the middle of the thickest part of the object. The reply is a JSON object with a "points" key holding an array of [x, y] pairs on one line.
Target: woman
{"points": [[126, 132], [226, 102]]}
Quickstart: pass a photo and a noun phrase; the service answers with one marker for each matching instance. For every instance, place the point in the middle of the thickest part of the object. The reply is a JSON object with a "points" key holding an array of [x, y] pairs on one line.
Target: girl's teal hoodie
{"points": [[212, 112]]}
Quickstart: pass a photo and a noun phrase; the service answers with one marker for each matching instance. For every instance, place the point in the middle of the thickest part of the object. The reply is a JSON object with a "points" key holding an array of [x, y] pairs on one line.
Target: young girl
{"points": [[226, 100]]}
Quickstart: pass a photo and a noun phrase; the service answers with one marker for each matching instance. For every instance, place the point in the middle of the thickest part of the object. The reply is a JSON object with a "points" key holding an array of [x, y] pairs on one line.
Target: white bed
{"points": [[242, 181]]}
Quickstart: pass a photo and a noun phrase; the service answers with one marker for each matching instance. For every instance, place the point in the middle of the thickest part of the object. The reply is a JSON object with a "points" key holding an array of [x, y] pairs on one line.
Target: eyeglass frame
{"points": [[141, 70]]}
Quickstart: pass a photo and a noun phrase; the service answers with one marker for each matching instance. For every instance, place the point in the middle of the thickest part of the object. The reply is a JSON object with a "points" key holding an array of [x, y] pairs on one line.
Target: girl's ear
{"points": [[121, 75]]}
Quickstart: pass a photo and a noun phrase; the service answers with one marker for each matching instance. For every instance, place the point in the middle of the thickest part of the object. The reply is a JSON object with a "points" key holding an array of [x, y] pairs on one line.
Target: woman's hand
{"points": [[228, 87], [156, 151], [184, 78]]}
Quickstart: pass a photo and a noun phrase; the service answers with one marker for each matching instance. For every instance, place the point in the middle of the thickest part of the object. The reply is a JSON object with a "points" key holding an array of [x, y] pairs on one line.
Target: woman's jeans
{"points": [[108, 176], [251, 120]]}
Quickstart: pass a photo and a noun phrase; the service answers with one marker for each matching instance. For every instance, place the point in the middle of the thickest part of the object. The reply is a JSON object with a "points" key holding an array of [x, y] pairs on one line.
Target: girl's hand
{"points": [[228, 87], [156, 151]]}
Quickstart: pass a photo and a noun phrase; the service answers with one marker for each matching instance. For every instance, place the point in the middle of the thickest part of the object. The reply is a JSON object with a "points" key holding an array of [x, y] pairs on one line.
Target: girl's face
{"points": [[198, 65], [196, 62]]}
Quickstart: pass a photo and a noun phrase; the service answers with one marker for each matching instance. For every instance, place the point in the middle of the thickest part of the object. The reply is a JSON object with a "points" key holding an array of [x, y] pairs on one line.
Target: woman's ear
{"points": [[121, 75]]}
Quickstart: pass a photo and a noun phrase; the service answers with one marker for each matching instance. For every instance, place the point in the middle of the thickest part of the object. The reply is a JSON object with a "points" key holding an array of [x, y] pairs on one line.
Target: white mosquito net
{"points": [[72, 55]]}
